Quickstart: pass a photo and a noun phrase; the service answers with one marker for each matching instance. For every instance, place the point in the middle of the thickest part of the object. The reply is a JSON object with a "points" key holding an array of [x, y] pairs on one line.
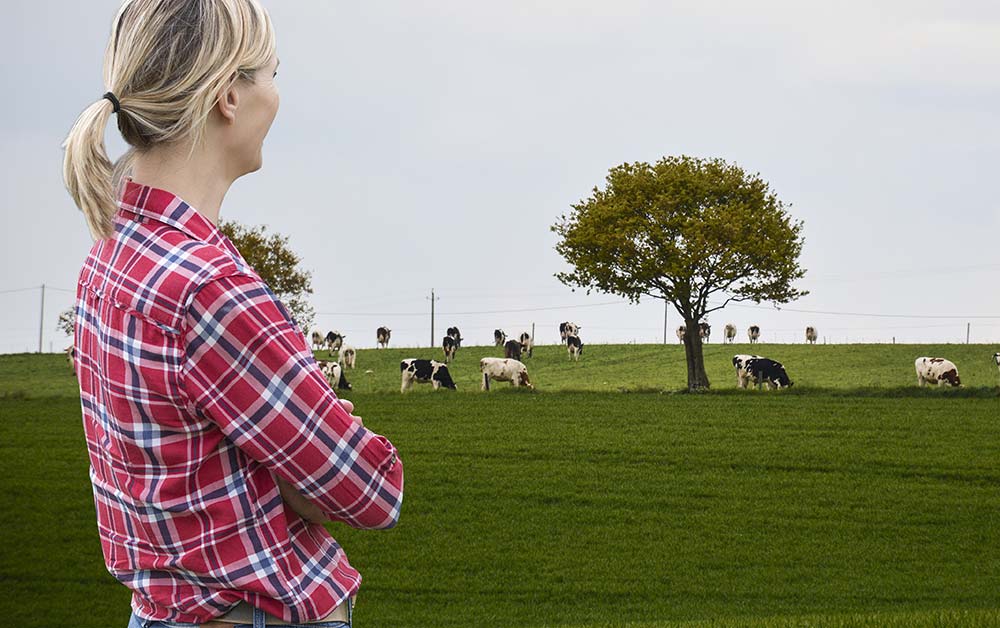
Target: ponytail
{"points": [[87, 171]]}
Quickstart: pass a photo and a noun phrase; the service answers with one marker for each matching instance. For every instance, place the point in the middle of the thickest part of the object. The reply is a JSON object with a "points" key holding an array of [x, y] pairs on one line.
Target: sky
{"points": [[431, 144]]}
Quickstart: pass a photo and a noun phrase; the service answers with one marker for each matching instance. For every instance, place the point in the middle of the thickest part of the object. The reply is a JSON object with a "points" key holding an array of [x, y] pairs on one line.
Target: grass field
{"points": [[855, 500]]}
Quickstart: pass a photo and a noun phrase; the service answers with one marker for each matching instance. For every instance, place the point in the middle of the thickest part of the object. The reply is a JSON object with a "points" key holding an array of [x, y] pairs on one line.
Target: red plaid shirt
{"points": [[197, 390]]}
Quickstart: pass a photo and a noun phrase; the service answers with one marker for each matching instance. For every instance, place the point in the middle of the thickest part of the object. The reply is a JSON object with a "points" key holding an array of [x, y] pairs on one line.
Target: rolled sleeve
{"points": [[248, 369]]}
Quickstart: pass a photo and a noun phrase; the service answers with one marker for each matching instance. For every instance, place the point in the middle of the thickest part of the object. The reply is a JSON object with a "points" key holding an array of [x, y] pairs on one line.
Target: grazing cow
{"points": [[425, 372], [996, 359], [704, 331], [527, 346], [334, 341], [449, 345], [348, 356], [811, 335], [936, 371], [512, 350], [568, 329], [740, 362], [681, 331], [334, 374], [767, 372], [753, 333], [499, 337], [70, 355], [382, 336], [504, 370], [317, 340], [456, 336], [730, 333], [574, 346]]}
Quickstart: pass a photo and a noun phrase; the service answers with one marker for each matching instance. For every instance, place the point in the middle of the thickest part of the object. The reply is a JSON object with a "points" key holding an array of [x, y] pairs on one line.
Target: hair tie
{"points": [[114, 101]]}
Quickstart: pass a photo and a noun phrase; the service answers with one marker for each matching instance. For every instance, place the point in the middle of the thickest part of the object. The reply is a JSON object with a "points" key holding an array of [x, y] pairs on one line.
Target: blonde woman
{"points": [[217, 447]]}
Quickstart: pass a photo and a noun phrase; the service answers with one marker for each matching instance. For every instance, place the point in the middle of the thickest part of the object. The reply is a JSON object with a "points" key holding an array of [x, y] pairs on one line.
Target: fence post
{"points": [[41, 320]]}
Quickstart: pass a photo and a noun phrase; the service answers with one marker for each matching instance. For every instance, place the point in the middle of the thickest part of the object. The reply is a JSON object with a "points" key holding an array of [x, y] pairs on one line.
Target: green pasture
{"points": [[855, 500]]}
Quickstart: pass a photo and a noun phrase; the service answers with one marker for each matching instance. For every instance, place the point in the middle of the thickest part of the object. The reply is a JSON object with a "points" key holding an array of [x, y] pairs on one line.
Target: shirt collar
{"points": [[167, 208]]}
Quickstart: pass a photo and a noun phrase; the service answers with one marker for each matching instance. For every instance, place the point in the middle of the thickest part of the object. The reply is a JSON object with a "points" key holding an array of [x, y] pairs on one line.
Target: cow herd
{"points": [[729, 333], [750, 369]]}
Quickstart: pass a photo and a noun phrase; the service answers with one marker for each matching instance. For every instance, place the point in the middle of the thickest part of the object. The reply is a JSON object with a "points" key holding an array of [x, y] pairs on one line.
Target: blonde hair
{"points": [[166, 62]]}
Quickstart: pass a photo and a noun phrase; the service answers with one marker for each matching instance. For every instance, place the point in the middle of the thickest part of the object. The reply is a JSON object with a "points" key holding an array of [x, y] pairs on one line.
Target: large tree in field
{"points": [[697, 233], [276, 263]]}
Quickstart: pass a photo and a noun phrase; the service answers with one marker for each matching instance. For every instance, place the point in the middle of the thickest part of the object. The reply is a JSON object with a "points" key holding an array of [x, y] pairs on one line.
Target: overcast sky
{"points": [[431, 144]]}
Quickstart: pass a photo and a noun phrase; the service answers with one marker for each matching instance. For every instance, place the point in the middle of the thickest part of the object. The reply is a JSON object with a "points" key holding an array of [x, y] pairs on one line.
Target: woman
{"points": [[217, 447]]}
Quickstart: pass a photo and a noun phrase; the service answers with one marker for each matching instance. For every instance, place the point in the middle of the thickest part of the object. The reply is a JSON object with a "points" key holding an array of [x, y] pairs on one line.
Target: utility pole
{"points": [[968, 328], [41, 320], [433, 299]]}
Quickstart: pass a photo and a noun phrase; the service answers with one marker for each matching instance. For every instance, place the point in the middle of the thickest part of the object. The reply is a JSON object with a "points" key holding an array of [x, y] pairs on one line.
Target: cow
{"points": [[425, 372], [348, 356], [449, 345], [334, 374], [512, 350], [767, 372], [730, 333], [704, 331], [811, 335], [527, 346], [681, 331], [740, 363], [334, 341], [753, 333], [936, 370], [70, 355], [456, 336], [504, 370], [317, 340], [382, 335], [499, 337], [574, 346], [996, 359], [568, 329]]}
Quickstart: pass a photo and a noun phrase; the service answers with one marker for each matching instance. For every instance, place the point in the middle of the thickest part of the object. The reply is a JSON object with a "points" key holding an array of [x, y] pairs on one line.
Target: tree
{"points": [[67, 321], [683, 230], [277, 265]]}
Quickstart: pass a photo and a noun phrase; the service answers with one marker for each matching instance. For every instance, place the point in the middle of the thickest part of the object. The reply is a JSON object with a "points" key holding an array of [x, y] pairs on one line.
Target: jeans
{"points": [[138, 622]]}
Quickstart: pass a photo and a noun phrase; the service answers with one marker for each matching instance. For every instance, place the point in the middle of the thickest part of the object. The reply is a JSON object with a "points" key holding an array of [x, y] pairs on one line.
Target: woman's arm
{"points": [[247, 368]]}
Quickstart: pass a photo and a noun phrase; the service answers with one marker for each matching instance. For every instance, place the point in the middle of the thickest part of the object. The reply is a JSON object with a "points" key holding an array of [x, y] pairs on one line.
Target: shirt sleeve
{"points": [[248, 369]]}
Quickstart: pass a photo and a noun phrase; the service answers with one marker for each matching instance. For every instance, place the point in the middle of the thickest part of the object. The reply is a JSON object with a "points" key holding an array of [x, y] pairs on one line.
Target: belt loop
{"points": [[259, 619]]}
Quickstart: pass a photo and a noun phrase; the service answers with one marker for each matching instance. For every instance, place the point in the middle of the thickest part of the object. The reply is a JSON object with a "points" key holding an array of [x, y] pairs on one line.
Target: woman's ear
{"points": [[228, 103]]}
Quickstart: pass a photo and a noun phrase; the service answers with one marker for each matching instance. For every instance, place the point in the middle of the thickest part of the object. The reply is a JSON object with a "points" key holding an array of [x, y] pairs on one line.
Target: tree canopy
{"points": [[698, 233], [271, 257]]}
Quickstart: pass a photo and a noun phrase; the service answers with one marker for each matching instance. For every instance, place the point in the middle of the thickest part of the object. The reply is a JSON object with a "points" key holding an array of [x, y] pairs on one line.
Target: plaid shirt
{"points": [[197, 389]]}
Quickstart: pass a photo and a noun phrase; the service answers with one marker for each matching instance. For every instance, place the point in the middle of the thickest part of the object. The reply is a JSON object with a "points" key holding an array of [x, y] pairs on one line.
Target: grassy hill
{"points": [[852, 501]]}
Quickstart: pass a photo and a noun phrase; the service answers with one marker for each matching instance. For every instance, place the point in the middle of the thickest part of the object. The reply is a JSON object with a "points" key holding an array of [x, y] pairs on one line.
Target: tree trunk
{"points": [[697, 378]]}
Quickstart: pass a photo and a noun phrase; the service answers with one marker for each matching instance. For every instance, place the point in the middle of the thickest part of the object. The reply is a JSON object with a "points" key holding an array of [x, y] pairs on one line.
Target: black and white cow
{"points": [[348, 357], [681, 331], [568, 329], [527, 345], [382, 335], [730, 333], [768, 372], [456, 336], [504, 370], [334, 374], [512, 350], [449, 345], [334, 340], [499, 337], [996, 359], [704, 331], [425, 372], [740, 363], [753, 333], [574, 346], [317, 340], [811, 335], [936, 371]]}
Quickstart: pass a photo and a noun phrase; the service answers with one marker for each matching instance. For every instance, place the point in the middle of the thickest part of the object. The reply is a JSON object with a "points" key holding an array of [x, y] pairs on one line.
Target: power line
{"points": [[512, 311], [863, 314]]}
